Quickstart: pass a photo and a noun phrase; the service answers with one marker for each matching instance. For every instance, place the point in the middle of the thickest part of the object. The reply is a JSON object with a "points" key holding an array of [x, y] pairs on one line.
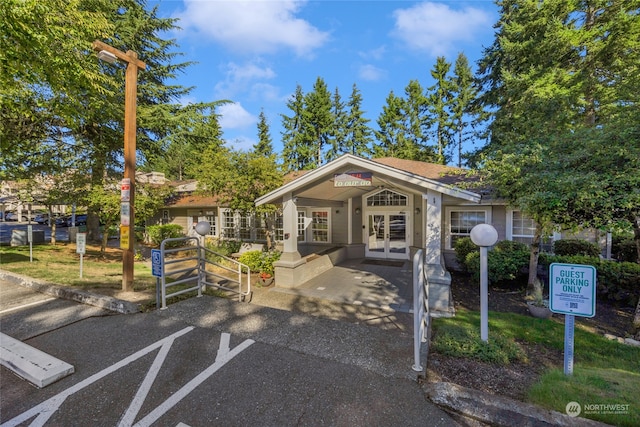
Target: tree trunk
{"points": [[533, 260], [635, 220]]}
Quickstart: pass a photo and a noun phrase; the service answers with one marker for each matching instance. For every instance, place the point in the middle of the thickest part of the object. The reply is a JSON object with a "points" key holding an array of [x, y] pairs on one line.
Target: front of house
{"points": [[354, 207]]}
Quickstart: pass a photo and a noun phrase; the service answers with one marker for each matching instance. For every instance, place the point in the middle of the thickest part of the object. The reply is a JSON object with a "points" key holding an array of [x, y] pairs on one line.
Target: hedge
{"points": [[616, 281]]}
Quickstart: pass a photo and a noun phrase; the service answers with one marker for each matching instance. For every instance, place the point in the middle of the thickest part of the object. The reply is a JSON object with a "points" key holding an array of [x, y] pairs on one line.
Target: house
{"points": [[353, 207]]}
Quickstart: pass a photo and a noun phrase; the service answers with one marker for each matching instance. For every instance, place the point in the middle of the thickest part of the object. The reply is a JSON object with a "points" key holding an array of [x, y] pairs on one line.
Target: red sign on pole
{"points": [[125, 190]]}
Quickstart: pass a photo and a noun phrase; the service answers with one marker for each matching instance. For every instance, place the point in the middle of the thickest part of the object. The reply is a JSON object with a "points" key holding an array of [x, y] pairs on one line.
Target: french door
{"points": [[387, 235]]}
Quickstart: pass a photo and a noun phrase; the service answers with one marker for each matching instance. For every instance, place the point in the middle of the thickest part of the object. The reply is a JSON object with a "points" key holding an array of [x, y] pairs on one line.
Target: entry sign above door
{"points": [[572, 289], [352, 179]]}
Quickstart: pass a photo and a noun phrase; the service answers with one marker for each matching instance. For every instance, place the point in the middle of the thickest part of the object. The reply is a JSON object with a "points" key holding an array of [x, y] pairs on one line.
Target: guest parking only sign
{"points": [[572, 289]]}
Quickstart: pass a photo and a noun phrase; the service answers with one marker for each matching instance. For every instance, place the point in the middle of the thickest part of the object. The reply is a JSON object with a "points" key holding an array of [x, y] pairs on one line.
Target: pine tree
{"points": [[297, 154], [359, 135], [439, 103], [338, 140], [463, 108], [264, 146], [319, 121]]}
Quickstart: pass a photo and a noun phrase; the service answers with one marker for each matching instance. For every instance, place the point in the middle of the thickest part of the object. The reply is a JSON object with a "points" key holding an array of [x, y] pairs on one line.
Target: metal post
{"points": [[569, 327], [484, 294]]}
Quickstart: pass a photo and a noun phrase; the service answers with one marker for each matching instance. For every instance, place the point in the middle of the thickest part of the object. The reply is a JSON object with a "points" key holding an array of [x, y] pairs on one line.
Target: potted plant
{"points": [[538, 305], [266, 274]]}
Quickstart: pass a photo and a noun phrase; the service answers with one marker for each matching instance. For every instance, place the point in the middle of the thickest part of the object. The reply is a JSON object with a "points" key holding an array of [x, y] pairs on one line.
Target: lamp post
{"points": [[484, 235], [127, 226]]}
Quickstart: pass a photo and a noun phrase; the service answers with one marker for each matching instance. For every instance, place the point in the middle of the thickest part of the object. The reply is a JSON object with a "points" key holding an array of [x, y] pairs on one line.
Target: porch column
{"points": [[290, 260], [433, 229], [290, 225]]}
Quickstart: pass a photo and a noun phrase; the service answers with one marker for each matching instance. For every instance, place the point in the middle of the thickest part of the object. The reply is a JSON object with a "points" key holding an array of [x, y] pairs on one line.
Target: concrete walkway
{"points": [[381, 284]]}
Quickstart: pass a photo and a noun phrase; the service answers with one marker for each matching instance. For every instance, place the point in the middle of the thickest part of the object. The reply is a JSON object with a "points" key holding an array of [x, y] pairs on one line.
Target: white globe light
{"points": [[203, 227], [484, 235]]}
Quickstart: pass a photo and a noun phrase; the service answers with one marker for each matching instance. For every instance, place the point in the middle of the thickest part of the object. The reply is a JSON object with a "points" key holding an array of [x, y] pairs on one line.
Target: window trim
{"points": [[447, 218]]}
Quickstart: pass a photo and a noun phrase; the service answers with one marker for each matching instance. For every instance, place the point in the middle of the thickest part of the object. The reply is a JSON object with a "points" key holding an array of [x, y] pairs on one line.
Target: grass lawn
{"points": [[605, 372], [61, 264]]}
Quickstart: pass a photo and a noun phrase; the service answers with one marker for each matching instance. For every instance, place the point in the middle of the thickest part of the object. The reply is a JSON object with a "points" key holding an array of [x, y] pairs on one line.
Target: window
{"points": [[279, 228], [212, 224], [387, 198], [522, 228], [261, 227], [245, 227], [320, 226], [301, 226], [228, 224], [461, 221]]}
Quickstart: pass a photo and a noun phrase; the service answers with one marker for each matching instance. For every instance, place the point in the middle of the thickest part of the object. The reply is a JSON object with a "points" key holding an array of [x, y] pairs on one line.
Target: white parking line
{"points": [[8, 310]]}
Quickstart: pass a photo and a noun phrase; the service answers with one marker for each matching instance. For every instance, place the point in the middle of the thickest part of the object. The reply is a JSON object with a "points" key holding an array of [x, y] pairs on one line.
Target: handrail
{"points": [[421, 315], [240, 267], [198, 271]]}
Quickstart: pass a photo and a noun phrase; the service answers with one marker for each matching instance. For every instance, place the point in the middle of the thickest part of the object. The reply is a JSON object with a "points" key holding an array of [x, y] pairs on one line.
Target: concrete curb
{"points": [[102, 301], [498, 410]]}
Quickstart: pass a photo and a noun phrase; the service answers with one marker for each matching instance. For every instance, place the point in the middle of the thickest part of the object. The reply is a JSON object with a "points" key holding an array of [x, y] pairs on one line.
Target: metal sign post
{"points": [[30, 239], [81, 246], [572, 292], [156, 271]]}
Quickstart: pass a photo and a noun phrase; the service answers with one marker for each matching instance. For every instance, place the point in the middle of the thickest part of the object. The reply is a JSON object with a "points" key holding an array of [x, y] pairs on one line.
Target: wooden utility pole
{"points": [[127, 219]]}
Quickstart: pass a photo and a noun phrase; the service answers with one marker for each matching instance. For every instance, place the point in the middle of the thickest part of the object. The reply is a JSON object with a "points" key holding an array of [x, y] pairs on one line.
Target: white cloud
{"points": [[238, 78], [370, 72], [376, 54], [253, 26], [234, 116], [435, 28]]}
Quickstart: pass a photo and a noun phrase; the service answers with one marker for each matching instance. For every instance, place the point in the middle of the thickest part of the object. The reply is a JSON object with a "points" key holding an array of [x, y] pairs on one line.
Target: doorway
{"points": [[387, 235]]}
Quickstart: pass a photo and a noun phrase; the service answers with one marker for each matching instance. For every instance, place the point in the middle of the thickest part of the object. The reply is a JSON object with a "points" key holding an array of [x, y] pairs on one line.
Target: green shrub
{"points": [[260, 261], [223, 247], [616, 281], [158, 233], [624, 249], [506, 262], [464, 246], [575, 247], [253, 260]]}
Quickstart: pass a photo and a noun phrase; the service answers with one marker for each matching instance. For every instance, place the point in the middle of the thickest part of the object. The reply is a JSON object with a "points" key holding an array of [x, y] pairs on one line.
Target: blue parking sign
{"points": [[156, 262]]}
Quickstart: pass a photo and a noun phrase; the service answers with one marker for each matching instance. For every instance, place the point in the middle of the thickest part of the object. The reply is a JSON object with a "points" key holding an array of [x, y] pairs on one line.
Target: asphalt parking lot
{"points": [[210, 361]]}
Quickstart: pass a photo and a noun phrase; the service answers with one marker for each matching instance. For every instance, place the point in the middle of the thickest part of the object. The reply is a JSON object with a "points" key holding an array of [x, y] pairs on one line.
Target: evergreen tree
{"points": [[560, 78], [391, 135], [319, 121], [264, 146], [438, 104], [338, 141], [463, 110], [297, 154], [359, 135]]}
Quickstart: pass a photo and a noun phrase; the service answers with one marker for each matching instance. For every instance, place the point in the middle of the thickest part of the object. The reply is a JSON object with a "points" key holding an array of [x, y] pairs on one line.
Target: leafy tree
{"points": [[561, 79], [438, 105]]}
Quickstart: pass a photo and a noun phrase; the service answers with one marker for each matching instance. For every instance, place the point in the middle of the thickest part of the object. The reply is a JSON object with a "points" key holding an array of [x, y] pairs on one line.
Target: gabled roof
{"points": [[421, 174]]}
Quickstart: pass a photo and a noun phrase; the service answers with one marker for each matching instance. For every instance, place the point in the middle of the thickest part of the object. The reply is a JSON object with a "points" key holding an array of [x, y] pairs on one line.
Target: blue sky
{"points": [[254, 53]]}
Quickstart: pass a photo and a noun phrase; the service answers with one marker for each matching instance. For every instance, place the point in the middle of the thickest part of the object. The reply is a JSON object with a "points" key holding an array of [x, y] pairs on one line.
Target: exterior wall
{"points": [[417, 239], [339, 225]]}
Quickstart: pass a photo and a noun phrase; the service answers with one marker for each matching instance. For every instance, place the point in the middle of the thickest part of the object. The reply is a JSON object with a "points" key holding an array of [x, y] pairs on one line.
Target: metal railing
{"points": [[420, 309], [193, 264]]}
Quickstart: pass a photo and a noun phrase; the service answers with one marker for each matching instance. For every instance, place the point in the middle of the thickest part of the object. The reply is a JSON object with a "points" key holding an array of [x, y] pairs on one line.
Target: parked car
{"points": [[11, 216], [80, 220], [61, 221], [42, 218]]}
